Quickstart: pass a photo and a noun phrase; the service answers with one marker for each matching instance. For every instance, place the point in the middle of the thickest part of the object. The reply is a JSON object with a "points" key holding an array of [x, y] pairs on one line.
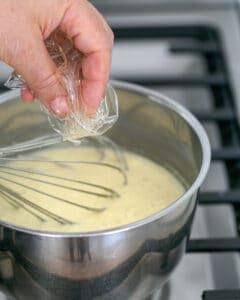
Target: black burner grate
{"points": [[221, 295], [204, 41]]}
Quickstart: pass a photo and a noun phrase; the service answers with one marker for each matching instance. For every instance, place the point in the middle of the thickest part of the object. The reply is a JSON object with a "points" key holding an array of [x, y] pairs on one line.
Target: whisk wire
{"points": [[53, 196], [22, 201], [111, 193], [12, 175]]}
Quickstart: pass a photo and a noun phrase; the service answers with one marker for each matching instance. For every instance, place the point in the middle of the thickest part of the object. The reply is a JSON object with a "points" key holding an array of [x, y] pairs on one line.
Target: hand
{"points": [[24, 25]]}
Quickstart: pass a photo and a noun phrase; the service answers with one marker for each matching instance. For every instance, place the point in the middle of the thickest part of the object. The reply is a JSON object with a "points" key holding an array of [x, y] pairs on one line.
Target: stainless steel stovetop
{"points": [[152, 58]]}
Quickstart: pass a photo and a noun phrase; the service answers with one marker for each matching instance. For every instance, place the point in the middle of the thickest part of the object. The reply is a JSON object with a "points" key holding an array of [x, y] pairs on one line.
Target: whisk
{"points": [[11, 175]]}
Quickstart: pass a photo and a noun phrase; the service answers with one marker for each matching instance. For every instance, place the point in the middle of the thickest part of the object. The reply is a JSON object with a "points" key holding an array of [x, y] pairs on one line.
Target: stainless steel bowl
{"points": [[131, 261]]}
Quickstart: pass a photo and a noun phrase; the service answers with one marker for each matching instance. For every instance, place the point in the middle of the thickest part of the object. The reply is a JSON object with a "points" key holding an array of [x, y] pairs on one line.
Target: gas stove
{"points": [[189, 52]]}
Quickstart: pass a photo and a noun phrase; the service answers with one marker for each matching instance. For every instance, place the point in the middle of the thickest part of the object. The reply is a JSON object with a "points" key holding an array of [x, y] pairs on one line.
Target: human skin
{"points": [[25, 25]]}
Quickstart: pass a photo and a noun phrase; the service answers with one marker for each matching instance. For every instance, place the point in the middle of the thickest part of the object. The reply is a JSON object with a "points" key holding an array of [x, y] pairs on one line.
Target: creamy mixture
{"points": [[41, 202]]}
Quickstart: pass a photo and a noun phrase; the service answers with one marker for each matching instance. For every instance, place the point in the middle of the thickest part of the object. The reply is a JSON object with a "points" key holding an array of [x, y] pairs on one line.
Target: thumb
{"points": [[33, 62]]}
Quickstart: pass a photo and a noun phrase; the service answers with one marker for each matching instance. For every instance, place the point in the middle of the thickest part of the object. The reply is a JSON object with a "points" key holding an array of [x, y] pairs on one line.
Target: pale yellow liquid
{"points": [[150, 188]]}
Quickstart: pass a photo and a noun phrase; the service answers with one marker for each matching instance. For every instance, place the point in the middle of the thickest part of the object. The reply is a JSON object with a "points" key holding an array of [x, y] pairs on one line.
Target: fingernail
{"points": [[26, 94], [89, 111], [59, 106]]}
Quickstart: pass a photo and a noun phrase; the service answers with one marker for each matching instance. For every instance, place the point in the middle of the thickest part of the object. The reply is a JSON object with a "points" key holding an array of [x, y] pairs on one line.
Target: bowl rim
{"points": [[206, 158]]}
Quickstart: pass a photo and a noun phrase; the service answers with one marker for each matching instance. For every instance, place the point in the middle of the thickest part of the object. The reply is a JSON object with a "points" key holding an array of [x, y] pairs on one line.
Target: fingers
{"points": [[33, 62], [95, 68], [24, 49], [26, 94], [93, 37]]}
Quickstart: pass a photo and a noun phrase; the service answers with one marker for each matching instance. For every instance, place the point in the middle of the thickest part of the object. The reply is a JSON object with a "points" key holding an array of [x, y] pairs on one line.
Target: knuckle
{"points": [[107, 36], [111, 37], [41, 84]]}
